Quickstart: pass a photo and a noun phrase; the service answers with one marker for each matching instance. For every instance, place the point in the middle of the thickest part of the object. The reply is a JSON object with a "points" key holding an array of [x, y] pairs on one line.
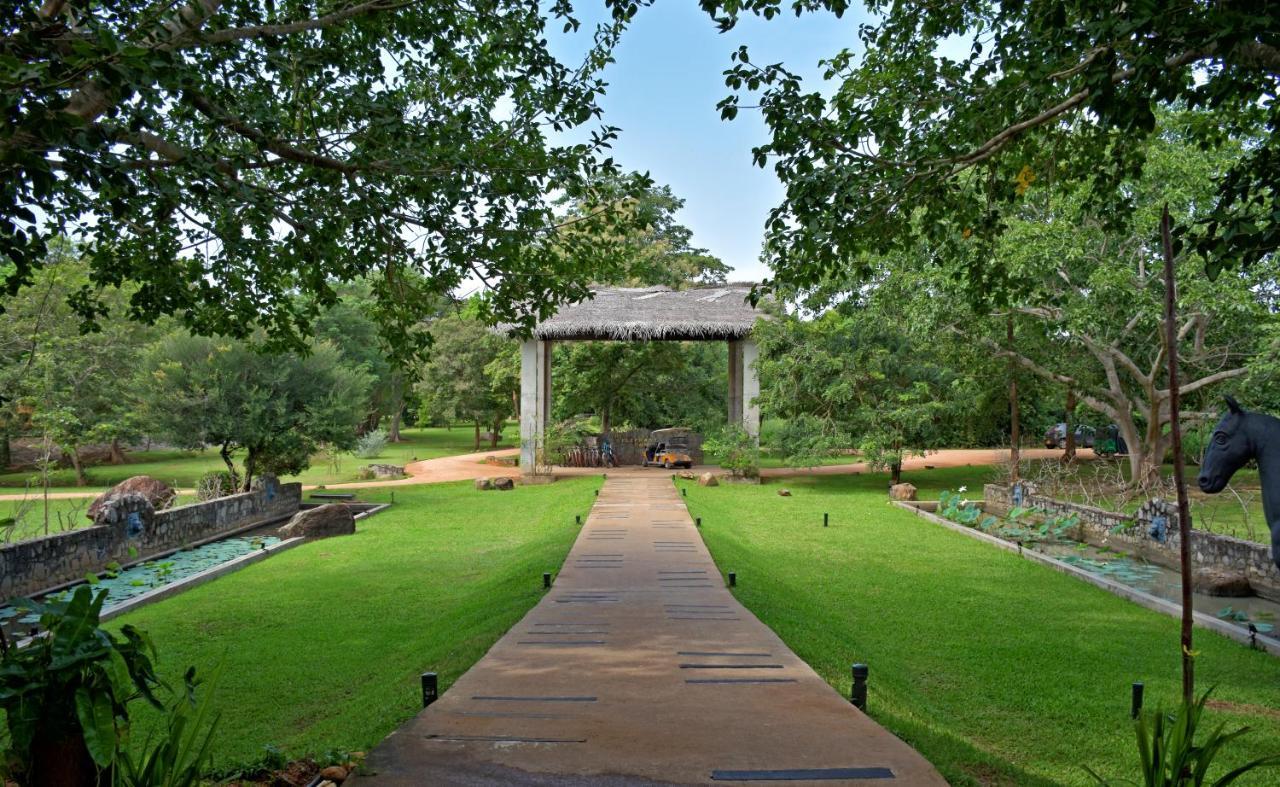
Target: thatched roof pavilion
{"points": [[714, 313]]}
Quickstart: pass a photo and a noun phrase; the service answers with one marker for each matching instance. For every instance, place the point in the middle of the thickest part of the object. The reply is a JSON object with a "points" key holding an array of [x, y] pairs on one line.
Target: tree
{"points": [[862, 376], [919, 140], [226, 157], [277, 408], [455, 383]]}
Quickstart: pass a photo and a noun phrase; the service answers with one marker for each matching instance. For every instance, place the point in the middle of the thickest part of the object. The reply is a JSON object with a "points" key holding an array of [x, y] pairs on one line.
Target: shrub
{"points": [[370, 445], [737, 452], [215, 484]]}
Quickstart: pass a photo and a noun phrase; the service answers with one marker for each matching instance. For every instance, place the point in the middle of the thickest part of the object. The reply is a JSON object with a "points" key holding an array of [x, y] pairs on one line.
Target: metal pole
{"points": [[430, 688], [546, 580], [825, 518], [858, 695], [733, 579], [1135, 704]]}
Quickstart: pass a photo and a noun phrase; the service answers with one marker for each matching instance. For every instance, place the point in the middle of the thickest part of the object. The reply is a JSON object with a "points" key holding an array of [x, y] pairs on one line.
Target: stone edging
{"points": [[1266, 644]]}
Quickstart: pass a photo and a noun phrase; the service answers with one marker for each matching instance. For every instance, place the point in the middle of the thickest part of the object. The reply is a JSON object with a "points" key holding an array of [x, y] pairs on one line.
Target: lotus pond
{"points": [[123, 584], [1051, 535]]}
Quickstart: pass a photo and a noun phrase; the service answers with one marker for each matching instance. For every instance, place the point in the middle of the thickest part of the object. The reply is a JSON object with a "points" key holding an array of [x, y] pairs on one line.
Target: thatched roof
{"points": [[648, 313]]}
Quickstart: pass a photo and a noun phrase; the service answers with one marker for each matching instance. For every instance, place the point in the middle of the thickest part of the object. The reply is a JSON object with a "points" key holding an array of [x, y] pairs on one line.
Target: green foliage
{"points": [[177, 753], [455, 384], [951, 114], [371, 444], [736, 451], [277, 408], [804, 440], [76, 683], [1169, 755], [215, 484], [239, 164]]}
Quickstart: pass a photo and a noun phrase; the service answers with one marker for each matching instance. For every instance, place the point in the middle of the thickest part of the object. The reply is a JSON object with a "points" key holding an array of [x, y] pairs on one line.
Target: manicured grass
{"points": [[323, 645], [183, 468], [998, 670], [64, 515]]}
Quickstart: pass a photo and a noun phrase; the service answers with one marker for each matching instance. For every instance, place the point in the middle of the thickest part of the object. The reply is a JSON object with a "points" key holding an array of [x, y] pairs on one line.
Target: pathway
{"points": [[639, 667]]}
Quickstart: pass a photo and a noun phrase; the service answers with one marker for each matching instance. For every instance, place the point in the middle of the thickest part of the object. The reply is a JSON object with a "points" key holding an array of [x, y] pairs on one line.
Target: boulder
{"points": [[129, 511], [687, 475], [386, 471], [334, 773], [505, 484], [157, 492], [708, 479], [1220, 582], [902, 492], [484, 484], [784, 493], [334, 519]]}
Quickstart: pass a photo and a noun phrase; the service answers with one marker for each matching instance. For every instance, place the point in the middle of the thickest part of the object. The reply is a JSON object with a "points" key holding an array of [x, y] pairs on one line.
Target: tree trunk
{"points": [[225, 452], [606, 418], [73, 453], [62, 761], [495, 433], [397, 409], [477, 436], [1015, 428], [895, 472], [6, 457], [1070, 454], [1179, 469], [117, 453]]}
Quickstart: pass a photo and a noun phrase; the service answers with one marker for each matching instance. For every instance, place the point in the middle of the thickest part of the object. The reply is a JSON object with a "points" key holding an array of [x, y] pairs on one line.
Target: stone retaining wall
{"points": [[1141, 534], [28, 567]]}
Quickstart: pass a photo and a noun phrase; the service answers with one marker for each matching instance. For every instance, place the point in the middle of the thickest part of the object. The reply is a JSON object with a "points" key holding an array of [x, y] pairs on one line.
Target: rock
{"points": [[327, 783], [708, 479], [505, 484], [334, 519], [157, 492], [686, 475], [902, 492], [784, 493], [484, 483], [129, 511], [386, 471], [1221, 582], [335, 773]]}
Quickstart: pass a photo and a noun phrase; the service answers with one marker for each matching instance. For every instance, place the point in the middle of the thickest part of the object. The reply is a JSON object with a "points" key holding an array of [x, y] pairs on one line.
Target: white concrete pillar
{"points": [[535, 400], [735, 382], [750, 388]]}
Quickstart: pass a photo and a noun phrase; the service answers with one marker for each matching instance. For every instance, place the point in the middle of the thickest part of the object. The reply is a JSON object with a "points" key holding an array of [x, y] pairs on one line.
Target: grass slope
{"points": [[183, 468], [998, 670], [323, 645]]}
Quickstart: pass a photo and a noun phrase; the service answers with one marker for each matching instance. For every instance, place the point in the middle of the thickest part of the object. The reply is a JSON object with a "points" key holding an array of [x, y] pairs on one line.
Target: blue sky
{"points": [[663, 91]]}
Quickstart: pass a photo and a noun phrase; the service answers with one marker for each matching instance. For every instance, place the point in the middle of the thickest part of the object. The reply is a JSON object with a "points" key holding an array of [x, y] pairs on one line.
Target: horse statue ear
{"points": [[1233, 405]]}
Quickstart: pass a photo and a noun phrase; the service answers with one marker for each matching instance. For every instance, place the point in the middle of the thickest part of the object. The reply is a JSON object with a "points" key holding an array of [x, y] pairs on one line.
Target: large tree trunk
{"points": [[895, 472], [1015, 428], [225, 452], [73, 454], [606, 418], [6, 457], [477, 435], [117, 453], [250, 466], [495, 433], [1070, 455]]}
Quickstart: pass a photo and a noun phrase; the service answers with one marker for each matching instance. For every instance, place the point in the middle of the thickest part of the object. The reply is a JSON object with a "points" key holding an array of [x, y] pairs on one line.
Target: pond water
{"points": [[145, 577]]}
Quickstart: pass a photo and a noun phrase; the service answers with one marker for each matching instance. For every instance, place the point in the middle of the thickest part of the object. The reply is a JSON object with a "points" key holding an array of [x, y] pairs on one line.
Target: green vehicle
{"points": [[1110, 443]]}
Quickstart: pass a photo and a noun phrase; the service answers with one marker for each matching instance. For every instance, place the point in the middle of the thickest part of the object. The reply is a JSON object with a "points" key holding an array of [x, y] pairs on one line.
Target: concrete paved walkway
{"points": [[639, 667]]}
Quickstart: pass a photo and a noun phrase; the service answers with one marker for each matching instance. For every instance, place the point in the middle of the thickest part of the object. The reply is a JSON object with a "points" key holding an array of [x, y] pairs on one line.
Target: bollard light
{"points": [[825, 518], [546, 580], [733, 579], [858, 694], [430, 688], [1135, 701], [698, 522], [684, 492], [577, 519]]}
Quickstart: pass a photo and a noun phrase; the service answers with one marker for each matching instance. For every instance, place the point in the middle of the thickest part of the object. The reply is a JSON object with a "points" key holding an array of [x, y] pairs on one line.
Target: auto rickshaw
{"points": [[1111, 443], [668, 448]]}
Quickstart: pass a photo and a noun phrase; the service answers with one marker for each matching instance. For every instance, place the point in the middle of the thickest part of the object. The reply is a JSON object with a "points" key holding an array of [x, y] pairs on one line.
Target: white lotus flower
{"points": [[963, 489]]}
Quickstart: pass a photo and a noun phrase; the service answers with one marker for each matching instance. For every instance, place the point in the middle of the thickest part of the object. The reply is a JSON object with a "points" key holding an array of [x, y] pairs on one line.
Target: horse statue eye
{"points": [[1220, 438]]}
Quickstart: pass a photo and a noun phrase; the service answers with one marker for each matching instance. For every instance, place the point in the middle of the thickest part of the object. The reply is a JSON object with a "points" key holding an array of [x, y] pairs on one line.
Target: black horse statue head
{"points": [[1239, 437]]}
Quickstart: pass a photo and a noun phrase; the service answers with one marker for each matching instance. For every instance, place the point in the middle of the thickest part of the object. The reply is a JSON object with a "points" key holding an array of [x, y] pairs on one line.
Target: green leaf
{"points": [[97, 724]]}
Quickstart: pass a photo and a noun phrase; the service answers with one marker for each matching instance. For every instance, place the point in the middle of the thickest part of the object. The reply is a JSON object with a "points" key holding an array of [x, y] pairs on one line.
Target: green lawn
{"points": [[183, 468], [323, 645], [999, 670]]}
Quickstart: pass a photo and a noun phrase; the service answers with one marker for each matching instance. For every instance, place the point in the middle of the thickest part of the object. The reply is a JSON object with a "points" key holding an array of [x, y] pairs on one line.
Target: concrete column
{"points": [[535, 400], [735, 382], [750, 388]]}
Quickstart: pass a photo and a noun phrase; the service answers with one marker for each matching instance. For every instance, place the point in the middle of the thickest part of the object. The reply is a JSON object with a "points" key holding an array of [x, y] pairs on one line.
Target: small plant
{"points": [[371, 444], [737, 450], [177, 754], [1170, 757], [215, 484]]}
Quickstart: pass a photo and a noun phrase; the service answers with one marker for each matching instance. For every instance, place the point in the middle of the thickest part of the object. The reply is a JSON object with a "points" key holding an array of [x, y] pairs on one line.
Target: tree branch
{"points": [[299, 26]]}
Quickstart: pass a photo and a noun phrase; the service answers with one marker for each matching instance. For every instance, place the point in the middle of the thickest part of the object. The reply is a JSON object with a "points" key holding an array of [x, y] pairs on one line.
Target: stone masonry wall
{"points": [[1133, 533], [27, 567]]}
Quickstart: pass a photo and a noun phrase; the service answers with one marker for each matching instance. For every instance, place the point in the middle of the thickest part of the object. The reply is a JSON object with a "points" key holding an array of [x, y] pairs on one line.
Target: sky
{"points": [[663, 92]]}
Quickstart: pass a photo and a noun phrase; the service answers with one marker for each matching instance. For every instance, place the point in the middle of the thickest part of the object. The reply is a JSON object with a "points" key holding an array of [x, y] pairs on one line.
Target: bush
{"points": [[215, 484], [370, 445], [737, 452]]}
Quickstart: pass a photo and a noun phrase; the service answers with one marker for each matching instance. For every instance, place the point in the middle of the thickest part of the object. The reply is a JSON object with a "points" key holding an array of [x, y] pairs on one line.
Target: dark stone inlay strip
{"points": [[672, 617], [697, 606], [499, 714], [535, 699], [802, 774], [572, 633], [602, 554], [698, 571], [730, 666], [502, 739], [564, 642], [740, 680]]}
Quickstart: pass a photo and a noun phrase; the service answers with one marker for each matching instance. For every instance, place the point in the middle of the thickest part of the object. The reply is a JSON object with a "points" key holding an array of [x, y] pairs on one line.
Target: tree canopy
{"points": [[227, 157], [957, 109]]}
